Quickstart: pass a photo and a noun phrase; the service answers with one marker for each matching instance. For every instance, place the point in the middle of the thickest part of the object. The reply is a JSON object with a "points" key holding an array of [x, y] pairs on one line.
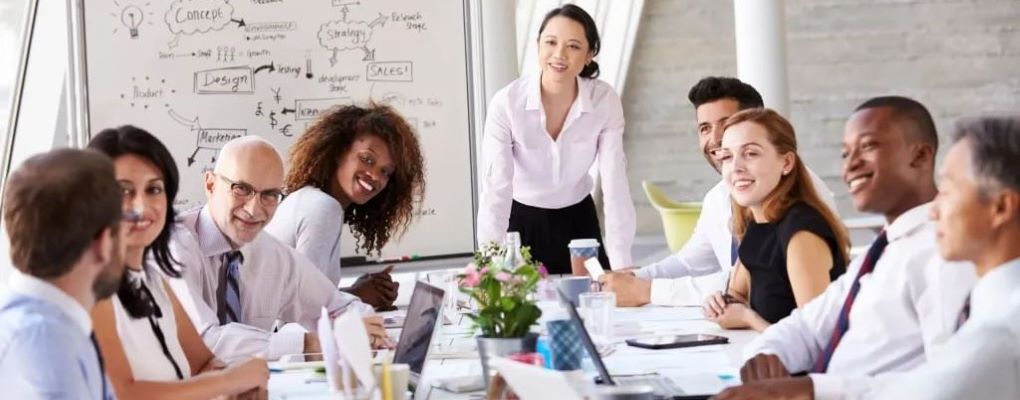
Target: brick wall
{"points": [[958, 57]]}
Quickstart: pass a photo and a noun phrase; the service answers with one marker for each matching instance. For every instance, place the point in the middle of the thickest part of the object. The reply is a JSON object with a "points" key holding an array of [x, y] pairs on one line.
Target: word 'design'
{"points": [[305, 109], [391, 71], [225, 80]]}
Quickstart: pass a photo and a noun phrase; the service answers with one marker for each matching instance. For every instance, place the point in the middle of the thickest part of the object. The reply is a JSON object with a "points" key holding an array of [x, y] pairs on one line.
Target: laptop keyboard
{"points": [[662, 386]]}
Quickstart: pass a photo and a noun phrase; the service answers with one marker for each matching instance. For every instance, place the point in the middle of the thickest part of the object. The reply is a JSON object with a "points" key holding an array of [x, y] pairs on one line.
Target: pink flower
{"points": [[502, 276], [471, 276], [542, 271]]}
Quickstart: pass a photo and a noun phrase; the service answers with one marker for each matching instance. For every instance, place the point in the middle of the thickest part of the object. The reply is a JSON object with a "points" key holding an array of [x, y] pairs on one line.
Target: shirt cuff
{"points": [[285, 341], [662, 293], [828, 387]]}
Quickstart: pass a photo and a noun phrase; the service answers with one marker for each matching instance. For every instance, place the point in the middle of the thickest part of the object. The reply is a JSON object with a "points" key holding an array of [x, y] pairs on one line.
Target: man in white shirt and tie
{"points": [[237, 283], [977, 218], [894, 304], [701, 267]]}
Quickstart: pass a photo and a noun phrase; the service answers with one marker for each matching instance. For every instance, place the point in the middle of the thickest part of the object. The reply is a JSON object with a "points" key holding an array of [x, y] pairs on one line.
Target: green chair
{"points": [[678, 219]]}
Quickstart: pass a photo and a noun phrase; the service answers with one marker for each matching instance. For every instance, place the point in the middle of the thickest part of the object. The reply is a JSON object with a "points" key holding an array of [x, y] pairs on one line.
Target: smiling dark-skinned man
{"points": [[895, 303]]}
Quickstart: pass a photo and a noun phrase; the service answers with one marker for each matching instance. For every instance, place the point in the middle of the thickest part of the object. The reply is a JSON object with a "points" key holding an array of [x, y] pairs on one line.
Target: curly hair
{"points": [[315, 157]]}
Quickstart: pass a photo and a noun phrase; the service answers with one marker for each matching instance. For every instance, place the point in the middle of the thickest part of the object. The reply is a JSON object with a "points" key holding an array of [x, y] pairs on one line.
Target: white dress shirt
{"points": [[522, 162], [705, 260], [982, 361], [277, 284], [905, 307], [311, 221], [138, 340]]}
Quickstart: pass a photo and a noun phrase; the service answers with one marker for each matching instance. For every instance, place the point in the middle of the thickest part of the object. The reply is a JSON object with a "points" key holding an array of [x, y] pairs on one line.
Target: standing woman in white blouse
{"points": [[150, 348], [543, 133]]}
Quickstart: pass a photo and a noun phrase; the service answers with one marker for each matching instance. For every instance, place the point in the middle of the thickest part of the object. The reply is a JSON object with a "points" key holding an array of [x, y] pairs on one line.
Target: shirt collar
{"points": [[210, 238], [31, 286], [534, 94], [996, 287], [908, 222]]}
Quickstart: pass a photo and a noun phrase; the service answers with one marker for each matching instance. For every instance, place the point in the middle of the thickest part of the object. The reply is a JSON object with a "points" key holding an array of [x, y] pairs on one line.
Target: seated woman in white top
{"points": [[150, 347], [356, 165], [543, 134]]}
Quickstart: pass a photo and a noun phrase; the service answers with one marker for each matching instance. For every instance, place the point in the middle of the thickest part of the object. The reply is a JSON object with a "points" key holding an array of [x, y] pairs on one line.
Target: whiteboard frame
{"points": [[81, 126]]}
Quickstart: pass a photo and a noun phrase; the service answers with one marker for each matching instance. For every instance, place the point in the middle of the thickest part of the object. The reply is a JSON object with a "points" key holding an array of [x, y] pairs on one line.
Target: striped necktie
{"points": [[843, 323], [230, 288]]}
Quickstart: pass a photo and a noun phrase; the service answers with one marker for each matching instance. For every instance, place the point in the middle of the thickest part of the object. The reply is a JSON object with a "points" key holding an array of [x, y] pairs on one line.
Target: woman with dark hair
{"points": [[543, 134], [356, 165], [150, 347], [791, 244]]}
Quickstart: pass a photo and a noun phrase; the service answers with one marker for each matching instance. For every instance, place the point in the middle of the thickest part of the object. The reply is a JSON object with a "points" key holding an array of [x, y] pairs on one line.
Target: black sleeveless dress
{"points": [[763, 252]]}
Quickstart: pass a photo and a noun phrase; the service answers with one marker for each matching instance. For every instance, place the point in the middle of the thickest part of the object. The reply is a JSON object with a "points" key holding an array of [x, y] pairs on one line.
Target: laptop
{"points": [[419, 329], [664, 387]]}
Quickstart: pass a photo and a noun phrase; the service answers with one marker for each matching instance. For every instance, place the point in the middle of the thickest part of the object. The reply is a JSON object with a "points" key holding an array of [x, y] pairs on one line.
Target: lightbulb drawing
{"points": [[131, 17]]}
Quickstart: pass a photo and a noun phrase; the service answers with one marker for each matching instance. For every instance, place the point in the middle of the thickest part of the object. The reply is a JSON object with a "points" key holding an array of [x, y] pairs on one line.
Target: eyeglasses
{"points": [[270, 197]]}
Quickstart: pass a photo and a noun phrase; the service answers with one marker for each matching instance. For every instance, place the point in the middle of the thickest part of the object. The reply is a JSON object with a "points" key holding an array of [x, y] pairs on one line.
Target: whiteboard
{"points": [[198, 73]]}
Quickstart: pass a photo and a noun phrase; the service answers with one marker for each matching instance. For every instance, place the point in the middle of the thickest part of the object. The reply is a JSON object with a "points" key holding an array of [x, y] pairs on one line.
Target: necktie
{"points": [[964, 314], [230, 288], [102, 367], [843, 323]]}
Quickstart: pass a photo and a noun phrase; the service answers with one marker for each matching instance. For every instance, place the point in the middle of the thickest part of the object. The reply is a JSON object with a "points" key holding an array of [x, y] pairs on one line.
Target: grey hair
{"points": [[994, 142]]}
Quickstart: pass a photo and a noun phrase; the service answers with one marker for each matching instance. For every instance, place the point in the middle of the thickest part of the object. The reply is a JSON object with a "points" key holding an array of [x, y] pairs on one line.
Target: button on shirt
{"points": [[522, 162], [906, 307], [982, 360], [277, 284], [45, 346], [703, 263]]}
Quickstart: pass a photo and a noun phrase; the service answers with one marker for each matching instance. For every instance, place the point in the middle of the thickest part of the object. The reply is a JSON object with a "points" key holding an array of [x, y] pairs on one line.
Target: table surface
{"points": [[705, 369]]}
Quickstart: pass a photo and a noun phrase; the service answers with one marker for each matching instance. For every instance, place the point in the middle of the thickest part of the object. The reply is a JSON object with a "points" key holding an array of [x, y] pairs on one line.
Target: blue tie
{"points": [[733, 251], [102, 366], [230, 307]]}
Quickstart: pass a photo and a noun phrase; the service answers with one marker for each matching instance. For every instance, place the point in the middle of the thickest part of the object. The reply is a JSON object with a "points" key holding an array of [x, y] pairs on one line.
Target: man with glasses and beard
{"points": [[62, 210]]}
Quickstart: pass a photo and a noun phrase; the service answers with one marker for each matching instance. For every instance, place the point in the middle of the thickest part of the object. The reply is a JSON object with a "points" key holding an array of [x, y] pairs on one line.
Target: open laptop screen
{"points": [[589, 345], [416, 336]]}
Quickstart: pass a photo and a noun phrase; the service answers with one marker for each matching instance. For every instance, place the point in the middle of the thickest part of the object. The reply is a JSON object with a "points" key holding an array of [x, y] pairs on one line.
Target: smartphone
{"points": [[677, 341]]}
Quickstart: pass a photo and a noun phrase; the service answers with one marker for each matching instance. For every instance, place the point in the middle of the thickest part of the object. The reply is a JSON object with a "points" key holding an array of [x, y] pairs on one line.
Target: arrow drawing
{"points": [[381, 20], [240, 24], [269, 66], [287, 111], [193, 124]]}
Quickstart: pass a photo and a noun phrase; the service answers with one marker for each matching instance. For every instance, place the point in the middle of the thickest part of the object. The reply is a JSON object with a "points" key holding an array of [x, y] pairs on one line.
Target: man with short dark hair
{"points": [[700, 267], [896, 303], [62, 210]]}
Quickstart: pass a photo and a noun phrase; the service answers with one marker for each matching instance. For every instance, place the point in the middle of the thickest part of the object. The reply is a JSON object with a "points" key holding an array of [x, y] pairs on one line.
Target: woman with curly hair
{"points": [[356, 165]]}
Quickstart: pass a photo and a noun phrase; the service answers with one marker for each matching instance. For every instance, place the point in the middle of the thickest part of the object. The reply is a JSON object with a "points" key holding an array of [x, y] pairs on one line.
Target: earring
{"points": [[787, 172]]}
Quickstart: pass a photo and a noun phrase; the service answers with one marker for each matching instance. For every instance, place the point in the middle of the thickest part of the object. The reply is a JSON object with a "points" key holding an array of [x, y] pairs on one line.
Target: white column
{"points": [[499, 45], [760, 27]]}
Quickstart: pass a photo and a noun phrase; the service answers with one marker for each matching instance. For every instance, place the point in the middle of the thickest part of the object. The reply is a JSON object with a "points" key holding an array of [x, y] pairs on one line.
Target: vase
{"points": [[501, 347]]}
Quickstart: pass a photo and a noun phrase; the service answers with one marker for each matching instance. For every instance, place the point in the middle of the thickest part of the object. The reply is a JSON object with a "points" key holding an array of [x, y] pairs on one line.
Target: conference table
{"points": [[705, 369]]}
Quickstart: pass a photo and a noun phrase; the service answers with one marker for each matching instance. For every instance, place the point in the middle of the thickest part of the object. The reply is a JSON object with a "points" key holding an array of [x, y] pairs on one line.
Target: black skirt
{"points": [[548, 231]]}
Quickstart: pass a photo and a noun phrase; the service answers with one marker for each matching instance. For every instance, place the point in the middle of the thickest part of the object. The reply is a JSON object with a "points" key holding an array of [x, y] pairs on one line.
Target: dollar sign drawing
{"points": [[272, 119]]}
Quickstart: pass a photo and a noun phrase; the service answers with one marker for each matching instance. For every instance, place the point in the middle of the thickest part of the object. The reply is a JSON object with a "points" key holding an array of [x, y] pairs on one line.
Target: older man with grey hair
{"points": [[238, 284]]}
